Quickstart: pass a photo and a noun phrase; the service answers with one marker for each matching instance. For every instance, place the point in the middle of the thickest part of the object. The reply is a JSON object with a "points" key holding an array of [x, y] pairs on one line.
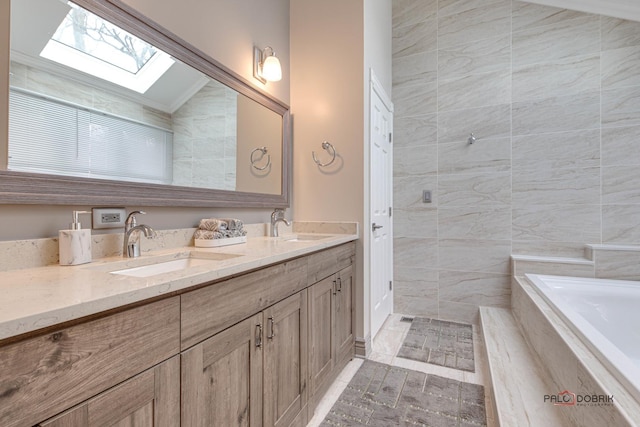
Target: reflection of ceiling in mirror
{"points": [[171, 89]]}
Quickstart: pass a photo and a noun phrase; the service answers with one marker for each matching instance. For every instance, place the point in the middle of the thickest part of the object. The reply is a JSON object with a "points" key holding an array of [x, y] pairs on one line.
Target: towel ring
{"points": [[327, 146], [264, 151]]}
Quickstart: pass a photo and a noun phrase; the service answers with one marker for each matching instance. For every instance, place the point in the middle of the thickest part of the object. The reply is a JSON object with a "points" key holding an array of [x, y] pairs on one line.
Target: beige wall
{"points": [[333, 45], [258, 127], [224, 30], [5, 17]]}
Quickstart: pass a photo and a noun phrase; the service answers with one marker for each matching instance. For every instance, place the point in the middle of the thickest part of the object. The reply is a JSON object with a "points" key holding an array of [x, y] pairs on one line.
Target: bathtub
{"points": [[605, 314]]}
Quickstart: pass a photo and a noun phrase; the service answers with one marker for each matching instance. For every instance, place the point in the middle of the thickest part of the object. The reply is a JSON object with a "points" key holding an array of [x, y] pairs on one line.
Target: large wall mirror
{"points": [[107, 107]]}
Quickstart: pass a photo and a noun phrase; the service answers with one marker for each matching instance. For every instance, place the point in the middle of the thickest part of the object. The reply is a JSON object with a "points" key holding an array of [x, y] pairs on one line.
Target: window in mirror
{"points": [[90, 44]]}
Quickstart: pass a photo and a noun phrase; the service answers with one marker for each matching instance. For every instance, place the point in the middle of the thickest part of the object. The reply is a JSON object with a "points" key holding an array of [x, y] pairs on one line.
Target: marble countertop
{"points": [[35, 298]]}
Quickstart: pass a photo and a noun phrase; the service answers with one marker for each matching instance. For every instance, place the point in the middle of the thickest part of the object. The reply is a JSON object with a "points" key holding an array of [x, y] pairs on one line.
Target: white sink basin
{"points": [[181, 261], [304, 238]]}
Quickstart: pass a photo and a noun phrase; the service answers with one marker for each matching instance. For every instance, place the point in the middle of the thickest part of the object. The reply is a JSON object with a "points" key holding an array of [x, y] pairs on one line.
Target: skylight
{"points": [[88, 43]]}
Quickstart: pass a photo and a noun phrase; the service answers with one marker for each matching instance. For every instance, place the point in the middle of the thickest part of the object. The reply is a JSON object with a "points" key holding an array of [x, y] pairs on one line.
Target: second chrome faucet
{"points": [[277, 216], [131, 243]]}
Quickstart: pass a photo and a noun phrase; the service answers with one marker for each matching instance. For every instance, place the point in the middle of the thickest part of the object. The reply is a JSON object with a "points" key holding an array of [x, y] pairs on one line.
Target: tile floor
{"points": [[385, 349]]}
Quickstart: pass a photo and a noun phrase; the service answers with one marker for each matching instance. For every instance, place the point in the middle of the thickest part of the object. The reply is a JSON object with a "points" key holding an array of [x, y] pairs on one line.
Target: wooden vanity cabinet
{"points": [[251, 374], [331, 332], [252, 350], [43, 376], [150, 399]]}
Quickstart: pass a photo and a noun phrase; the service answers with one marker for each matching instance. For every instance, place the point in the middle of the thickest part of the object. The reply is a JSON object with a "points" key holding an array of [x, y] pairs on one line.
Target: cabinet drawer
{"points": [[43, 376], [209, 310], [324, 264]]}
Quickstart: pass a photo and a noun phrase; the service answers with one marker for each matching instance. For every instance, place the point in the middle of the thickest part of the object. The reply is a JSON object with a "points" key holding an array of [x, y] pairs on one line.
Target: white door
{"points": [[381, 172]]}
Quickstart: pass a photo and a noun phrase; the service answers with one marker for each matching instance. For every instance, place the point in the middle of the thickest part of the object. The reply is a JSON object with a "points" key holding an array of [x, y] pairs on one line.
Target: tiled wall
{"points": [[204, 139], [553, 98], [37, 80]]}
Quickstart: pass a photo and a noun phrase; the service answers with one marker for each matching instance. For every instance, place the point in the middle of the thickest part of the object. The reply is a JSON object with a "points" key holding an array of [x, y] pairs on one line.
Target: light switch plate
{"points": [[109, 217]]}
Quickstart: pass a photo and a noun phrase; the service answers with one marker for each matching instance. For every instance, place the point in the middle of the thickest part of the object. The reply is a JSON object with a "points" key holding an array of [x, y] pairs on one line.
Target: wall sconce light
{"points": [[266, 66]]}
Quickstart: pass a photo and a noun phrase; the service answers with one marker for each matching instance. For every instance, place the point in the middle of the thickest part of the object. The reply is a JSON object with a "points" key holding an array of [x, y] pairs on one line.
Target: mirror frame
{"points": [[32, 188]]}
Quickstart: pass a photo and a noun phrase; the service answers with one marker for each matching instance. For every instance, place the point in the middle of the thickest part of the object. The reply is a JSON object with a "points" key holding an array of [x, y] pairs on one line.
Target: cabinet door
{"points": [[222, 378], [150, 399], [344, 325], [285, 361], [321, 325]]}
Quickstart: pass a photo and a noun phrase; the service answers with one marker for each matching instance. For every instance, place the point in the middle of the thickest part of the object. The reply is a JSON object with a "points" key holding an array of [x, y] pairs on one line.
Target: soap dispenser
{"points": [[75, 243]]}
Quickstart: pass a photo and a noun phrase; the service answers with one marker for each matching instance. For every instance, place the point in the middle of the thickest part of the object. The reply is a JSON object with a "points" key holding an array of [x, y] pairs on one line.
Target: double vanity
{"points": [[249, 334]]}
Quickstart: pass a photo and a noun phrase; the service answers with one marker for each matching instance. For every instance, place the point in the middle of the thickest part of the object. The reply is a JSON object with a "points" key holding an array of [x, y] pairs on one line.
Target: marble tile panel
{"points": [[474, 222], [41, 81], [156, 117], [557, 114], [620, 67], [575, 149], [426, 290], [411, 12], [472, 91], [415, 69], [486, 155], [620, 185], [556, 358], [527, 15], [521, 268], [485, 122], [533, 187], [475, 20], [387, 342], [620, 146], [621, 107], [408, 274], [415, 252], [507, 353], [416, 100], [407, 191], [547, 248], [415, 305], [116, 105], [415, 222], [416, 38], [416, 160], [617, 33], [482, 189], [478, 56], [485, 289], [415, 130], [597, 415], [561, 223], [621, 224], [623, 265], [561, 77], [452, 7], [490, 256], [458, 312], [17, 74], [564, 39]]}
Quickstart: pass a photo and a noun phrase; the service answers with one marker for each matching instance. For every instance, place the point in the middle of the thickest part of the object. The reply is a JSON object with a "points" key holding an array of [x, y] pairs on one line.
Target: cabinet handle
{"points": [[339, 284], [272, 332], [258, 335], [335, 287]]}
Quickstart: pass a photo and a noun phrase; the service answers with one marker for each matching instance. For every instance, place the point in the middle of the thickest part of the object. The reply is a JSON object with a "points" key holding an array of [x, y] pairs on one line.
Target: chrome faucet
{"points": [[277, 216], [131, 244]]}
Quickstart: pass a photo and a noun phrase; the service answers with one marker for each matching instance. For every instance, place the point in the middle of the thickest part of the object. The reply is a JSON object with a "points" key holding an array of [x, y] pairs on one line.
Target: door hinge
{"points": [[390, 211], [390, 137], [390, 285]]}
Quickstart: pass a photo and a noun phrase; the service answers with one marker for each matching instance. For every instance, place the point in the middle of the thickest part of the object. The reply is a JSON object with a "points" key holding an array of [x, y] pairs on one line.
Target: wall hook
{"points": [[263, 150], [326, 145], [472, 138]]}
